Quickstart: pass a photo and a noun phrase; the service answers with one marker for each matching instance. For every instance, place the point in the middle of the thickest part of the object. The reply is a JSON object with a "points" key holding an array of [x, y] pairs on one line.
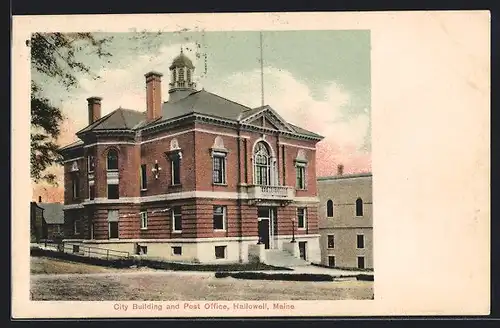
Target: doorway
{"points": [[302, 250], [264, 232]]}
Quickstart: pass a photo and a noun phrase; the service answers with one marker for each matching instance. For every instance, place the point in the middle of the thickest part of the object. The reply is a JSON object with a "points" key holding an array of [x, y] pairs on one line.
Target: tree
{"points": [[56, 56]]}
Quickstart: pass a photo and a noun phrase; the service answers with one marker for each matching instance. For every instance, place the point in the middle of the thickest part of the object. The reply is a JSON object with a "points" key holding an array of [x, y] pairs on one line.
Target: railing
{"points": [[271, 192], [85, 250]]}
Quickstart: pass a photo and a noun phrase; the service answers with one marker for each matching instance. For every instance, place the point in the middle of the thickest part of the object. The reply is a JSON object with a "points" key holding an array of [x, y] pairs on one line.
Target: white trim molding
{"points": [[293, 145], [172, 240], [109, 143], [72, 159], [178, 196]]}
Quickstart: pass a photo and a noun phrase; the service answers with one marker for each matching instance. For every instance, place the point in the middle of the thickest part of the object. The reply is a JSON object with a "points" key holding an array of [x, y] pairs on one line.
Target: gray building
{"points": [[345, 220]]}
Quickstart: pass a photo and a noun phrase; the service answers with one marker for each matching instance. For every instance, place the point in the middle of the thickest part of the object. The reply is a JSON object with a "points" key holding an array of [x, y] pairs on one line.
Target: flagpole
{"points": [[261, 69]]}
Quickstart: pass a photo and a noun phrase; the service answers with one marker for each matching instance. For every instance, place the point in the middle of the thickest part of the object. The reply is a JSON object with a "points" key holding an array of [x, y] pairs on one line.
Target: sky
{"points": [[319, 80]]}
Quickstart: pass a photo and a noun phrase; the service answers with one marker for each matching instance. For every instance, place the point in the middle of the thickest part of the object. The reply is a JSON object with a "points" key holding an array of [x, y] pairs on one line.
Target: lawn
{"points": [[76, 281]]}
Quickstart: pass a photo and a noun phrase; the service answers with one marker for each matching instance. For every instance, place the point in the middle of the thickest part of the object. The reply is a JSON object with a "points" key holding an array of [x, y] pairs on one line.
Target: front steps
{"points": [[281, 258]]}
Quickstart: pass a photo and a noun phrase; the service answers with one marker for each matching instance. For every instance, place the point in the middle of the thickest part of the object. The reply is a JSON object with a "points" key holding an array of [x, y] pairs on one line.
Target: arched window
{"points": [[262, 164], [329, 208], [112, 160], [359, 207]]}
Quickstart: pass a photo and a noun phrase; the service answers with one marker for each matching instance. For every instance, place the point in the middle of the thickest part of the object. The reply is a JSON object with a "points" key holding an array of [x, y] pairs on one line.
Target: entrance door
{"points": [[302, 250], [264, 232]]}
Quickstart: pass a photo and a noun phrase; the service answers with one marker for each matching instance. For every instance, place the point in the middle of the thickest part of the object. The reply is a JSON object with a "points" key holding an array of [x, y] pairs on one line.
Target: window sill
{"points": [[176, 231], [114, 239], [175, 185], [301, 228], [144, 229], [146, 189], [301, 189], [219, 230], [219, 184], [111, 170]]}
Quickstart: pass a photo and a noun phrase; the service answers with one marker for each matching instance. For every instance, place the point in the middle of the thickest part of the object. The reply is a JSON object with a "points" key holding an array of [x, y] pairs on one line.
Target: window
{"points": [[113, 191], [262, 166], [112, 160], [300, 172], [219, 169], [141, 249], [90, 163], [176, 170], [76, 186], [219, 218], [301, 218], [113, 224], [91, 192], [144, 220], [331, 261], [144, 178], [176, 219], [361, 262], [76, 248], [331, 241], [359, 207], [92, 230], [176, 250], [220, 252], [329, 208], [76, 231], [360, 241]]}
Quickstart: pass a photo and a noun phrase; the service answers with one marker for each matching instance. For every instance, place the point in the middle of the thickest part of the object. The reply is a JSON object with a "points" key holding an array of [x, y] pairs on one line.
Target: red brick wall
{"points": [[155, 150]]}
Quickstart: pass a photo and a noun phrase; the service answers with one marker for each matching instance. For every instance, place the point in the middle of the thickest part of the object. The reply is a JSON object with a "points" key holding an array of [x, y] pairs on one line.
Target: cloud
{"points": [[344, 134]]}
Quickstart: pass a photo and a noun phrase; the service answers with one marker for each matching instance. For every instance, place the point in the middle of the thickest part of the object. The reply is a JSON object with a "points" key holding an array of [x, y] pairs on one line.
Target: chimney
{"points": [[153, 95], [39, 199], [340, 169], [94, 104]]}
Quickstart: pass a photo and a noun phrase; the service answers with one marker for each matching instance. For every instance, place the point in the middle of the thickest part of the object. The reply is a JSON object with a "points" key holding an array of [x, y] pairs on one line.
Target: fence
{"points": [[85, 250]]}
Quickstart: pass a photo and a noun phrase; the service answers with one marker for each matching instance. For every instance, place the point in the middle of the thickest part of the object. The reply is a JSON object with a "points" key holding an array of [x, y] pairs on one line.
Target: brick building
{"points": [[197, 178], [345, 220]]}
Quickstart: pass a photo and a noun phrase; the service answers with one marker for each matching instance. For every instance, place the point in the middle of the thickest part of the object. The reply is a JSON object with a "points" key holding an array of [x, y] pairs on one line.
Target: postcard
{"points": [[251, 165]]}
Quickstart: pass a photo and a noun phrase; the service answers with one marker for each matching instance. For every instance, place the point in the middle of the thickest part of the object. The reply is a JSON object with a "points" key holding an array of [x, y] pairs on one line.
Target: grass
{"points": [[45, 265], [66, 281]]}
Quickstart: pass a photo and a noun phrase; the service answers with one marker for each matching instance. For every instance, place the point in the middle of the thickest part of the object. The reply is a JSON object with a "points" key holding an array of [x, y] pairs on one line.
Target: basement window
{"points": [[220, 252], [176, 250]]}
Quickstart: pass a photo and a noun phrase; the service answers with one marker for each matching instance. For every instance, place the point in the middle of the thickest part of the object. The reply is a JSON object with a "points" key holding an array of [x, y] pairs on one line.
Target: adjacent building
{"points": [[196, 178], [47, 221], [345, 220]]}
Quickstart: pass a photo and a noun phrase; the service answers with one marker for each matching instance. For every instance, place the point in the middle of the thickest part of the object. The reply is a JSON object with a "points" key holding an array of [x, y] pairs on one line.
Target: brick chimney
{"points": [[340, 169], [153, 95], [94, 104]]}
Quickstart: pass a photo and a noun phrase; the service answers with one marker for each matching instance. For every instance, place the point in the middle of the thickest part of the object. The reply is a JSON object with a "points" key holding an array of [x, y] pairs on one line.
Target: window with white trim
{"points": [[359, 207], [113, 226], [176, 170], [90, 163], [176, 250], [329, 208], [262, 165], [219, 217], [91, 191], [112, 160], [331, 261], [300, 174], [219, 168], [176, 219], [331, 241], [220, 252], [144, 219], [301, 217], [360, 241], [113, 191], [75, 181], [361, 262], [144, 177]]}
